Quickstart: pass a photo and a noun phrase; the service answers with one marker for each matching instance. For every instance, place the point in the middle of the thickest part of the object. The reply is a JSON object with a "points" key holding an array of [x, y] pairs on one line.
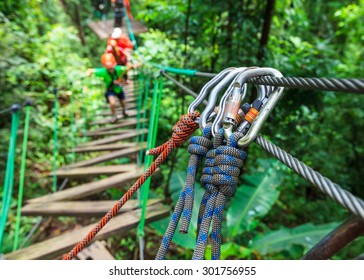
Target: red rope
{"points": [[182, 130]]}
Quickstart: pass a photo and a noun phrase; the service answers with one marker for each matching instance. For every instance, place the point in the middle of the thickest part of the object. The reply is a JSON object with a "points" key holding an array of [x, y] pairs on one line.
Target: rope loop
{"points": [[199, 145], [227, 168], [182, 130]]}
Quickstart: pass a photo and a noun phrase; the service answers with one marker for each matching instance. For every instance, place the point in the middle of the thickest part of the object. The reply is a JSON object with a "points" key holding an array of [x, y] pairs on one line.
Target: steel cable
{"points": [[352, 203], [332, 84]]}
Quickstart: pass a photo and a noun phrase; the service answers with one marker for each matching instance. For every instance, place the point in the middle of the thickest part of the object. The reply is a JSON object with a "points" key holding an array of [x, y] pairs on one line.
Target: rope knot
{"points": [[199, 145], [184, 128], [207, 171], [227, 168]]}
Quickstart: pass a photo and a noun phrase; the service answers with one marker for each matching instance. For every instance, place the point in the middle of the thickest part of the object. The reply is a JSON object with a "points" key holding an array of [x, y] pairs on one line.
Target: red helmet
{"points": [[108, 60]]}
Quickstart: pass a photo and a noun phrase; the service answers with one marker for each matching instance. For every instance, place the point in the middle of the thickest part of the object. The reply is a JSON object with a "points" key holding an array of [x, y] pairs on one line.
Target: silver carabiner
{"points": [[268, 103], [205, 115], [202, 95]]}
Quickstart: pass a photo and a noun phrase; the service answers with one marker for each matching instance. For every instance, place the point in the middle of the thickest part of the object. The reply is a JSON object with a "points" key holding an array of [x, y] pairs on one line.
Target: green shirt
{"points": [[107, 77]]}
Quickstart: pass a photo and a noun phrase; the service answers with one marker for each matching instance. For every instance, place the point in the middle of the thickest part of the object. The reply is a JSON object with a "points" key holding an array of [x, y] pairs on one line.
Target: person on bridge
{"points": [[120, 46], [111, 73]]}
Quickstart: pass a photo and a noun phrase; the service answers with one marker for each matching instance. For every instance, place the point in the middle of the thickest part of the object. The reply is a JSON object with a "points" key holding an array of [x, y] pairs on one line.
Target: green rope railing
{"points": [[9, 173], [28, 108], [130, 29], [152, 135], [145, 102], [84, 115], [178, 71], [73, 129], [139, 117], [55, 140]]}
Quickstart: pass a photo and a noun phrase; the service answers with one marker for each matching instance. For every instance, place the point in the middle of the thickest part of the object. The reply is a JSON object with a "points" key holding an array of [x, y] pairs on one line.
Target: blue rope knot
{"points": [[199, 145], [227, 168]]}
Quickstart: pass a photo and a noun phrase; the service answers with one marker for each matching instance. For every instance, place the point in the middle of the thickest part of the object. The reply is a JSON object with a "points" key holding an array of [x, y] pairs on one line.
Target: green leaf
{"points": [[176, 184], [255, 198], [234, 250], [306, 235]]}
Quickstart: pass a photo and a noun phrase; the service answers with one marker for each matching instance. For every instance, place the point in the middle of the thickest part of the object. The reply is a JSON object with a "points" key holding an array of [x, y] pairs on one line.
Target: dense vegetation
{"points": [[46, 45]]}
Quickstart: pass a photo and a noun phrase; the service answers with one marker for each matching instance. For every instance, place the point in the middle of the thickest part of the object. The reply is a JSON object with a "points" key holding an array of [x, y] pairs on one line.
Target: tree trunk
{"points": [[186, 33], [75, 19], [78, 22], [230, 31], [266, 29]]}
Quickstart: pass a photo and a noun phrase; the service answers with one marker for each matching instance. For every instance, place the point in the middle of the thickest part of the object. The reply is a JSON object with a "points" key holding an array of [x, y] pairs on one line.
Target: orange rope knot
{"points": [[182, 130]]}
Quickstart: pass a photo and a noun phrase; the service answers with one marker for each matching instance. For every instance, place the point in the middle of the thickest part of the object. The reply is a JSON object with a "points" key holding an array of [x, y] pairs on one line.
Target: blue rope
{"points": [[223, 166], [198, 148]]}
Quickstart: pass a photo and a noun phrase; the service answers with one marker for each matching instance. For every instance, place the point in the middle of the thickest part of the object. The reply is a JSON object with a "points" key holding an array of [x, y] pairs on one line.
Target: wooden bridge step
{"points": [[132, 113], [79, 208], [95, 251], [114, 139], [111, 132], [110, 147], [87, 189], [128, 99], [129, 106], [93, 170], [120, 131], [103, 28], [125, 123], [106, 157], [54, 247]]}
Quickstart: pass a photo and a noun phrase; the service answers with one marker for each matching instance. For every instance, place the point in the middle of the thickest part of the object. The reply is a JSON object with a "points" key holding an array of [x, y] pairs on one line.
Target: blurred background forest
{"points": [[47, 44]]}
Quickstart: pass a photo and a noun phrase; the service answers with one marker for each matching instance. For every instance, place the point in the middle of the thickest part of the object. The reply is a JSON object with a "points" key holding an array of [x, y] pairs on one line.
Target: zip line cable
{"points": [[350, 202]]}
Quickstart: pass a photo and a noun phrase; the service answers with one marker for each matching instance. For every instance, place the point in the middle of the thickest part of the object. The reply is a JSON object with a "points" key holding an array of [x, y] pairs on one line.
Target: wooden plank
{"points": [[119, 132], [56, 246], [111, 132], [125, 123], [106, 157], [127, 100], [104, 28], [95, 251], [93, 170], [87, 189], [114, 138], [79, 208], [110, 147], [118, 109], [132, 113]]}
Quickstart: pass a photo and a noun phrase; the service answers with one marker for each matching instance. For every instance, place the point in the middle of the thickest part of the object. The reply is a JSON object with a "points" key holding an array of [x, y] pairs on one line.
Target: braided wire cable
{"points": [[352, 203], [198, 147], [332, 84], [184, 128]]}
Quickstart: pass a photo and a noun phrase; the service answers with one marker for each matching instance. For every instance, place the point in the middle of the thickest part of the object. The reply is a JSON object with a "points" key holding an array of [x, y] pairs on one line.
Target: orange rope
{"points": [[182, 130]]}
